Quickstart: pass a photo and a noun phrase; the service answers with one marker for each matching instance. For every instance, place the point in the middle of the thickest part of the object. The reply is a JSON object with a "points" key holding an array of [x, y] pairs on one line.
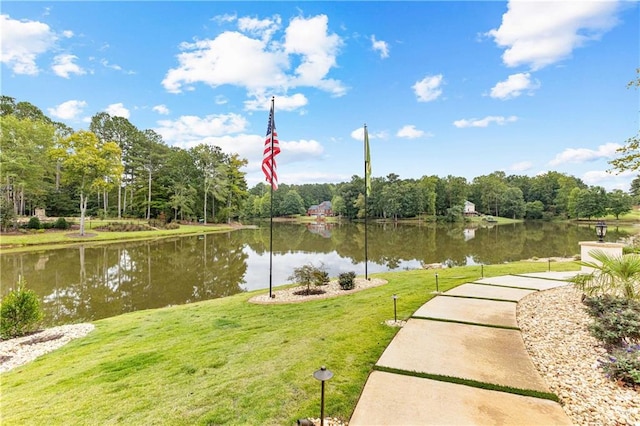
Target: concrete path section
{"points": [[478, 311], [552, 275], [521, 282], [489, 292], [392, 399], [485, 354], [474, 348]]}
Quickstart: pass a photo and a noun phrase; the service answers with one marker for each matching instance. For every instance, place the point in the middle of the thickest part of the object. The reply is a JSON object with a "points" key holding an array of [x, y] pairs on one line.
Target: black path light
{"points": [[323, 375], [395, 310], [601, 230], [437, 288]]}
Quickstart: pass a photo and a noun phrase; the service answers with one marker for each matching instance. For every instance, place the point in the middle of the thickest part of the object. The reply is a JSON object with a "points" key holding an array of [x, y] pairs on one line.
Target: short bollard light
{"points": [[395, 309], [601, 231], [437, 287], [323, 375]]}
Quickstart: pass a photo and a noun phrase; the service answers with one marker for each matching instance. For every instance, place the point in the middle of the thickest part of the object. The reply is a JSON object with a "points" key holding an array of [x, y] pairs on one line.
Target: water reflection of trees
{"points": [[87, 283]]}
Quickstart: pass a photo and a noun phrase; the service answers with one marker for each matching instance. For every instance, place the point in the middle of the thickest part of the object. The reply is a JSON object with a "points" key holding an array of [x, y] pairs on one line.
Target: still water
{"points": [[92, 282]]}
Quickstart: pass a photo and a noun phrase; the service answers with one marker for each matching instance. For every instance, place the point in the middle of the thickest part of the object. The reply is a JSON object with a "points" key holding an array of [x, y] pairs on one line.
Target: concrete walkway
{"points": [[470, 333]]}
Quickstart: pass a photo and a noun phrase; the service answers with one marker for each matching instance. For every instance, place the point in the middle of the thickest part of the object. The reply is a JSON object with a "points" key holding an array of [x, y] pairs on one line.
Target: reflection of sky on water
{"points": [[257, 275]]}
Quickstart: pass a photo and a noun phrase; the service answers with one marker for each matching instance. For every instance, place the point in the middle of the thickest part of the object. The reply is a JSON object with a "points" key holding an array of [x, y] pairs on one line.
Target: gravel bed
{"points": [[554, 329], [288, 295], [21, 350]]}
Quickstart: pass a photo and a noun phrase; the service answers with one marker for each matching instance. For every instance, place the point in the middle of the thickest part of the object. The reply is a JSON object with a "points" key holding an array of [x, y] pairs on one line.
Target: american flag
{"points": [[271, 149]]}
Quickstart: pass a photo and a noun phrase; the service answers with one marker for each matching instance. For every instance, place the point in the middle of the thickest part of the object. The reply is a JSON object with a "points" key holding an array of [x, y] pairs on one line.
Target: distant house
{"points": [[469, 208], [322, 209]]}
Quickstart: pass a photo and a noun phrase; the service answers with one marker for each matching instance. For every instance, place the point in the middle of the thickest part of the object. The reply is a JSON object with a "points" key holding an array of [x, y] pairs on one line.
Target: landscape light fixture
{"points": [[395, 310], [601, 230], [323, 375]]}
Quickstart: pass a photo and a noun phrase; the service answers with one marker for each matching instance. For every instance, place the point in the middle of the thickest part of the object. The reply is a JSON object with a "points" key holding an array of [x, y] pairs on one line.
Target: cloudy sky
{"points": [[445, 88]]}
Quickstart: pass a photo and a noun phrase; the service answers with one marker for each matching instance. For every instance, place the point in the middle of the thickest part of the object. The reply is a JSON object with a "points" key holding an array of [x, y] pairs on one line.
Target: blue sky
{"points": [[445, 88]]}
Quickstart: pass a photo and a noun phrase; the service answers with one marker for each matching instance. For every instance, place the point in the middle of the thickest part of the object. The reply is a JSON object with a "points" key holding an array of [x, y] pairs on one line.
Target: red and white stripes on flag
{"points": [[271, 149]]}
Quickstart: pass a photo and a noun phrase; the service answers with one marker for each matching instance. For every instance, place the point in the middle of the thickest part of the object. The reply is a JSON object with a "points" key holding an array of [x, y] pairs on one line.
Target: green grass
{"points": [[22, 242], [226, 361]]}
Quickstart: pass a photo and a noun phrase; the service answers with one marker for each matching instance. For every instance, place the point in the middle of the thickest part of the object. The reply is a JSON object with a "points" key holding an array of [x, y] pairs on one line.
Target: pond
{"points": [[90, 282]]}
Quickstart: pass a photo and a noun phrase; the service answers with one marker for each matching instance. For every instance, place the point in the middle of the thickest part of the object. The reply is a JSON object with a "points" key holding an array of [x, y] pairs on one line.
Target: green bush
{"points": [[61, 223], [624, 364], [346, 280], [34, 223], [617, 327], [600, 305], [20, 312], [309, 274]]}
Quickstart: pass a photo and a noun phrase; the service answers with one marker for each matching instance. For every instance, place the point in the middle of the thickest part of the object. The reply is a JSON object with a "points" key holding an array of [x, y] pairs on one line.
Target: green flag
{"points": [[367, 162]]}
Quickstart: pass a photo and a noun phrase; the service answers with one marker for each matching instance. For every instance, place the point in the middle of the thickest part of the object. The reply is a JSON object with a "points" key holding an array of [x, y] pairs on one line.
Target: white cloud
{"points": [[540, 33], [257, 63], [63, 66], [318, 49], [263, 28], [22, 42], [161, 109], [302, 150], [484, 122], [358, 134], [609, 181], [428, 89], [117, 110], [380, 46], [67, 34], [583, 155], [188, 130], [410, 132], [522, 166], [68, 110], [283, 103], [221, 100], [514, 85]]}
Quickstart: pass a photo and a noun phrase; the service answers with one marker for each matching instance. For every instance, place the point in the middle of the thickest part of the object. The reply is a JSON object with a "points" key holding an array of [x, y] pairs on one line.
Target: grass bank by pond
{"points": [[226, 361], [16, 242]]}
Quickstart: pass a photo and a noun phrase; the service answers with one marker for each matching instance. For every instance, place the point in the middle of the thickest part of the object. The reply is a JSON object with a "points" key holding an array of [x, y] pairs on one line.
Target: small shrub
{"points": [[34, 223], [320, 277], [61, 223], [346, 280], [617, 327], [309, 274], [624, 364], [20, 312], [599, 305]]}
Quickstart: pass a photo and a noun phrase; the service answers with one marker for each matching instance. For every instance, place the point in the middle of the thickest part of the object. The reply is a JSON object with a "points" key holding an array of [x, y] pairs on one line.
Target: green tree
{"points": [[293, 203], [619, 203], [338, 205], [534, 209], [90, 164], [591, 202], [236, 185], [513, 204], [26, 171], [634, 190]]}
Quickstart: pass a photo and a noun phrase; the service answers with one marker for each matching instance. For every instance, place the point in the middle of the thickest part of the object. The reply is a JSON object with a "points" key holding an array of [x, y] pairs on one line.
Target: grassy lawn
{"points": [[17, 242], [226, 361]]}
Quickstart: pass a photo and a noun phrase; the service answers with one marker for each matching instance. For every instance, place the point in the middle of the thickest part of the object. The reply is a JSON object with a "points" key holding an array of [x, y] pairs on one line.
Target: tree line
{"points": [[546, 196], [113, 169]]}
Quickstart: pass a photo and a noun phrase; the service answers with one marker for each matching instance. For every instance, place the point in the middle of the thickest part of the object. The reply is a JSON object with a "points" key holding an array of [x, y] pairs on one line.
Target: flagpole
{"points": [[366, 275], [271, 198]]}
